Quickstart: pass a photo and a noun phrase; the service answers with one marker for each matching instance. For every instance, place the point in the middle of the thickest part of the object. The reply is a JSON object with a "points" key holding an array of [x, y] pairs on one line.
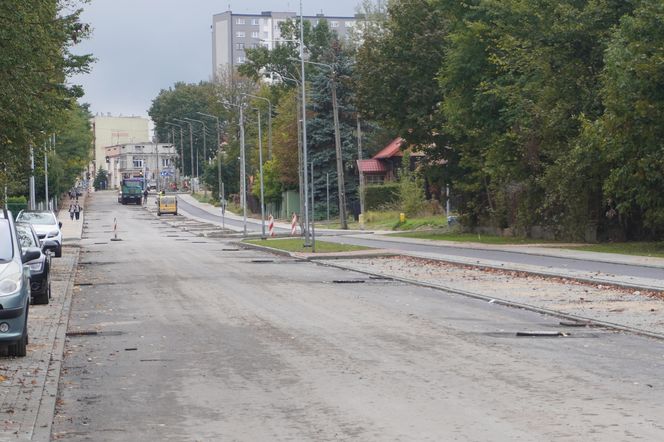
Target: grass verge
{"points": [[470, 237], [297, 245]]}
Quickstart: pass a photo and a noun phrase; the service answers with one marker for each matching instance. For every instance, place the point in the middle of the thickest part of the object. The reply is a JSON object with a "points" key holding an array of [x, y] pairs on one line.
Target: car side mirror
{"points": [[47, 244], [60, 224], [31, 254]]}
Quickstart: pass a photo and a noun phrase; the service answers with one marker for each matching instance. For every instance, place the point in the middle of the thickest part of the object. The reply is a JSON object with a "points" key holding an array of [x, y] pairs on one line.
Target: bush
{"points": [[17, 203], [377, 197]]}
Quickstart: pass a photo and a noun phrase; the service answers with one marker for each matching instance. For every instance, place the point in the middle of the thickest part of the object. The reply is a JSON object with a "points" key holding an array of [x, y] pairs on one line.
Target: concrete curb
{"points": [[523, 250], [327, 261], [508, 303], [46, 413]]}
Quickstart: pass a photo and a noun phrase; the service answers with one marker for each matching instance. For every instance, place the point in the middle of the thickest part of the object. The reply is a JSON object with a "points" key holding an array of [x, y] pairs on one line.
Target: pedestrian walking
{"points": [[72, 210], [145, 196], [77, 211]]}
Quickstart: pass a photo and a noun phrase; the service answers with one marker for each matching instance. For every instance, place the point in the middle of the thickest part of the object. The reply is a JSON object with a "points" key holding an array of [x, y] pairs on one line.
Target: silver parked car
{"points": [[14, 288], [47, 227]]}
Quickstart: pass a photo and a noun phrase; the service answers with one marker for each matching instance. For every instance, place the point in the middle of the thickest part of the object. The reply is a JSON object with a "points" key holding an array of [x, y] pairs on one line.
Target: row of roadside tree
{"points": [[537, 114]]}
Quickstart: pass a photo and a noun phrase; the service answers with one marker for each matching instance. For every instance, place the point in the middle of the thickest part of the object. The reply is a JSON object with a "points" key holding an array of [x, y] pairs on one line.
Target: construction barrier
{"points": [[270, 225], [293, 225]]}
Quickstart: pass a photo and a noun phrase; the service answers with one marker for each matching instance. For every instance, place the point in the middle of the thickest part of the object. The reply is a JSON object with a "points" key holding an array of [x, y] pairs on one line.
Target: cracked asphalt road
{"points": [[177, 337]]}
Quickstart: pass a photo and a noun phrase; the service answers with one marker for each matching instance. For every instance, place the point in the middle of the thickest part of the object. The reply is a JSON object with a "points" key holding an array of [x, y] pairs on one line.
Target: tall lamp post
{"points": [[204, 148], [304, 132], [301, 183], [191, 147], [181, 149], [243, 173], [337, 144], [260, 168], [269, 123], [218, 150]]}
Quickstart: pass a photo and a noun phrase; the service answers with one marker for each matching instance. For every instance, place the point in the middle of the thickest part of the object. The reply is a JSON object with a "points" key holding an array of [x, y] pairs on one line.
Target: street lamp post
{"points": [[191, 147], [304, 132], [269, 123], [204, 148], [218, 151], [260, 168], [243, 178], [181, 149], [337, 144], [300, 168]]}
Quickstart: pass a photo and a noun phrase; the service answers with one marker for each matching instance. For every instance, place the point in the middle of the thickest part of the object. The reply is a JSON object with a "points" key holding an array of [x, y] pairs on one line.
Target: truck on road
{"points": [[131, 191]]}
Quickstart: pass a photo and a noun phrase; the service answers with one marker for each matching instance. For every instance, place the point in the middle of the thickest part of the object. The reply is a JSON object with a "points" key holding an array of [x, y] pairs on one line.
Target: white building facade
{"points": [[232, 34], [109, 131], [153, 161]]}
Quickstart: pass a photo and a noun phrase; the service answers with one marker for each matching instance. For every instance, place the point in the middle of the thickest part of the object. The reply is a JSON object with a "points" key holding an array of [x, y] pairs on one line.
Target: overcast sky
{"points": [[144, 46]]}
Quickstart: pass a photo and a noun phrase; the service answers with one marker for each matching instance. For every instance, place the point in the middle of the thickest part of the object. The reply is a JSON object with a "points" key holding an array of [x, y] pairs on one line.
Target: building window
{"points": [[334, 24], [254, 21], [239, 45], [239, 21], [254, 34], [254, 45], [165, 162], [239, 34], [240, 59], [138, 163], [138, 148], [374, 179]]}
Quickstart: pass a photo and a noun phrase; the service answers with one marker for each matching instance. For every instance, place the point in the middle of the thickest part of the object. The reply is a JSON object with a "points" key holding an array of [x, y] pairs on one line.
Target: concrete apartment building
{"points": [[109, 131], [232, 33], [154, 161]]}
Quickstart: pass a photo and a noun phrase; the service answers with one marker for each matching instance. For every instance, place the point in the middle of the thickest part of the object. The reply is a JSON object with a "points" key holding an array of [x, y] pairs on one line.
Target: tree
{"points": [[632, 125], [36, 61], [101, 179]]}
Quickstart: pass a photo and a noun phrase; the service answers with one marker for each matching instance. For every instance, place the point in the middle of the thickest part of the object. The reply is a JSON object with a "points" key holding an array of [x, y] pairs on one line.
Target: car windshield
{"points": [[41, 218], [25, 236], [6, 251]]}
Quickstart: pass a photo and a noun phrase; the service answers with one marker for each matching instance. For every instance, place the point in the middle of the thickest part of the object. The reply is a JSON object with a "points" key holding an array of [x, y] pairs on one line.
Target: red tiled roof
{"points": [[371, 166], [394, 150], [391, 150]]}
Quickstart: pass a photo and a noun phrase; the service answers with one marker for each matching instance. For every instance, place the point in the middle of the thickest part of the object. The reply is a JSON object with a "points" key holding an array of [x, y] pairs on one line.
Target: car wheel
{"points": [[20, 348], [175, 213], [58, 252], [42, 298], [158, 213]]}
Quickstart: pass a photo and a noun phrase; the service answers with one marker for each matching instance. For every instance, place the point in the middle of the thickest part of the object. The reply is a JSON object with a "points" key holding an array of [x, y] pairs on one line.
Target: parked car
{"points": [[47, 227], [14, 288], [40, 268], [167, 204]]}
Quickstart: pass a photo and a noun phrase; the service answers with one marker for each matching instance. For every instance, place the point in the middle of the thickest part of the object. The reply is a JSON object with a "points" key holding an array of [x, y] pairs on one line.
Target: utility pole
{"points": [[359, 157], [32, 179], [304, 132], [48, 206], [260, 166], [340, 161], [218, 148]]}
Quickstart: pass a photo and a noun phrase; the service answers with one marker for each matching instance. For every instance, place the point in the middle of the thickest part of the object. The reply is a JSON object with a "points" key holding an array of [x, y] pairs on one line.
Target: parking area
{"points": [[28, 385]]}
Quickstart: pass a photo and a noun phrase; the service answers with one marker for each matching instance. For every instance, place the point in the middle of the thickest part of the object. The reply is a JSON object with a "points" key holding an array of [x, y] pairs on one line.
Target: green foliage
{"points": [[271, 186], [101, 179], [634, 98], [35, 63], [377, 197], [411, 189]]}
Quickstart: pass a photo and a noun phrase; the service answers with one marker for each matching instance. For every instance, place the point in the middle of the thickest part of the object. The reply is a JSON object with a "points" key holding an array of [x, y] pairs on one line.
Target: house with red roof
{"points": [[383, 166]]}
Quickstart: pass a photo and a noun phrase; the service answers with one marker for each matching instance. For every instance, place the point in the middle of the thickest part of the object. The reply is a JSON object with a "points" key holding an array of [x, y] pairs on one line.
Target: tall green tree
{"points": [[631, 129], [36, 37]]}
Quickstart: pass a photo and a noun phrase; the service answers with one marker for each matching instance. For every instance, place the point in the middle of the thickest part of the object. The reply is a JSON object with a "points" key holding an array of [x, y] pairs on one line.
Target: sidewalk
{"points": [[29, 385]]}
